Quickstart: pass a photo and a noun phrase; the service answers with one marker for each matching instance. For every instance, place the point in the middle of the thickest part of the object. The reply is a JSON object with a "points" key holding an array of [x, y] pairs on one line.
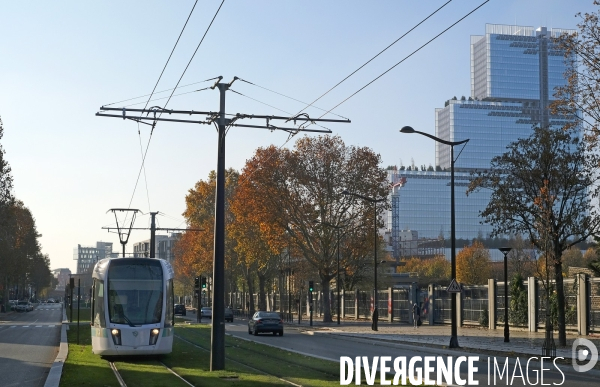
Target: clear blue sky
{"points": [[60, 61]]}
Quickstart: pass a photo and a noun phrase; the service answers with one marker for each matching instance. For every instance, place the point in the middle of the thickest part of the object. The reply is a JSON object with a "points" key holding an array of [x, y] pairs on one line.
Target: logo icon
{"points": [[580, 354], [135, 333]]}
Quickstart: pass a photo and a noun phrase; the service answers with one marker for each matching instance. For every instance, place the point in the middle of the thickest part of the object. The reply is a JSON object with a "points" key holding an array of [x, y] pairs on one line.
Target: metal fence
{"points": [[400, 305], [594, 304], [474, 302], [442, 305]]}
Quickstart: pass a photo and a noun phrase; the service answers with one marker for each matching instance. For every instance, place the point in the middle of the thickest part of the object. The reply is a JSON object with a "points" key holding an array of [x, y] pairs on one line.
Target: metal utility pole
{"points": [[153, 235], [217, 348], [78, 302]]}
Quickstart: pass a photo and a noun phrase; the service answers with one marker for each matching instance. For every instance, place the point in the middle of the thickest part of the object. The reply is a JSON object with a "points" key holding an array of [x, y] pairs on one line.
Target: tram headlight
{"points": [[116, 336], [154, 335]]}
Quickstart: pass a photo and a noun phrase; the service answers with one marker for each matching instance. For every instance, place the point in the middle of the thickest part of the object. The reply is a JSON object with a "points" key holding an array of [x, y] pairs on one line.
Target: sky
{"points": [[61, 61]]}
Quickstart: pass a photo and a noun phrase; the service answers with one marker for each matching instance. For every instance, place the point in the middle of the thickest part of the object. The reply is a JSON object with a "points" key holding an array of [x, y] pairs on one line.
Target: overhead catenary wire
{"points": [[406, 57], [283, 95], [170, 55], [159, 92], [195, 51], [145, 177], [271, 106], [175, 95], [173, 91], [142, 167], [370, 60]]}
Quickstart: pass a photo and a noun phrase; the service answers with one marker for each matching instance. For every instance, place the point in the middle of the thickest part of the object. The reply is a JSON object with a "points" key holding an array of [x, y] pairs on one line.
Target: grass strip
{"points": [[299, 369], [82, 368], [245, 364]]}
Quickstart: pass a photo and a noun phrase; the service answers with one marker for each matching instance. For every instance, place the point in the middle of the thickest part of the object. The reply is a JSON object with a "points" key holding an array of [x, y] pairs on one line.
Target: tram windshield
{"points": [[135, 291]]}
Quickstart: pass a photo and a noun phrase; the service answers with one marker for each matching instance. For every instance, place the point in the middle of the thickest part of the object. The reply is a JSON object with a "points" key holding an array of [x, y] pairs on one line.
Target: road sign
{"points": [[454, 287]]}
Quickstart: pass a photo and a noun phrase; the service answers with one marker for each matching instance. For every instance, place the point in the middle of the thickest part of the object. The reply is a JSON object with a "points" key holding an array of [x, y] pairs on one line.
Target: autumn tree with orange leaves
{"points": [[194, 250], [300, 190], [259, 239], [473, 264]]}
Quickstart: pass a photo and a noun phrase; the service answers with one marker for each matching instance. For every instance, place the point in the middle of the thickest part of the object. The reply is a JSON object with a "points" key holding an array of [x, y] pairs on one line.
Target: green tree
{"points": [[517, 314], [541, 188]]}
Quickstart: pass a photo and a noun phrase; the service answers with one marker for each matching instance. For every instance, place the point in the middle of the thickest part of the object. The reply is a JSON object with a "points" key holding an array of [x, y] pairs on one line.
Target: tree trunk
{"points": [[326, 299], [560, 296], [250, 295], [262, 300]]}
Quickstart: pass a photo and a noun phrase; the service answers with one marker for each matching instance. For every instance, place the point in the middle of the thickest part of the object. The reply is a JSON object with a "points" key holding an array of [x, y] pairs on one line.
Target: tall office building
{"points": [[514, 71], [87, 256], [163, 247]]}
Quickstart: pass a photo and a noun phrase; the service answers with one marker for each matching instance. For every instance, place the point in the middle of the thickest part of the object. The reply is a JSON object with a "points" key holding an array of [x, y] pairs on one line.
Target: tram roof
{"points": [[101, 267]]}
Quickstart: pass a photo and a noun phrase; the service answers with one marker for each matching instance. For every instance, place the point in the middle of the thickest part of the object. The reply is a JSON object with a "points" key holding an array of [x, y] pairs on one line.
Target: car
{"points": [[263, 321], [206, 311], [179, 309], [24, 306], [228, 314]]}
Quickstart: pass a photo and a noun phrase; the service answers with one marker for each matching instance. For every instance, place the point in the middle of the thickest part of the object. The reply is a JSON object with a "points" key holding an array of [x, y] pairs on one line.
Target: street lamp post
{"points": [[408, 129], [505, 251], [375, 296]]}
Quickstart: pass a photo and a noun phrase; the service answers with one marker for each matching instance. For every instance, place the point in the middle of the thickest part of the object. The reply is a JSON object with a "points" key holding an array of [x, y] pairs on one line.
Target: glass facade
{"points": [[424, 202], [514, 71]]}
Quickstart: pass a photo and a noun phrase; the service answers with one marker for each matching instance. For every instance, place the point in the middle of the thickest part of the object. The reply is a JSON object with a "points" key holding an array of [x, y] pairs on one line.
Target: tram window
{"points": [[135, 292], [99, 304]]}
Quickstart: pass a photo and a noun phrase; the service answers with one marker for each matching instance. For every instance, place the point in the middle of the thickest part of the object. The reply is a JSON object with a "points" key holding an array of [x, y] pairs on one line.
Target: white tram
{"points": [[132, 307]]}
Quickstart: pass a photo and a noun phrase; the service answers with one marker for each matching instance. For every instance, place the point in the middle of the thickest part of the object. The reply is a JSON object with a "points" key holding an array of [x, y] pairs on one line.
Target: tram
{"points": [[132, 307]]}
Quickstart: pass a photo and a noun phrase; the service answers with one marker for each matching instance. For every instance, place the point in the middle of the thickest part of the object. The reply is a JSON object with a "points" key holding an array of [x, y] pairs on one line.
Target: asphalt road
{"points": [[28, 345], [332, 346]]}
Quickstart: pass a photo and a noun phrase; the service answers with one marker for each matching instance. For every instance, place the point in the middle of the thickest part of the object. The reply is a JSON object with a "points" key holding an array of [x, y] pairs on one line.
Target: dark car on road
{"points": [[179, 309], [265, 322], [228, 314]]}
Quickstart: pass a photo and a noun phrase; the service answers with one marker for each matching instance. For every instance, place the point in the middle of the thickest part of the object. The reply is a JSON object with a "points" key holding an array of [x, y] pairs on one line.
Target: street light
{"points": [[337, 282], [375, 296], [408, 129], [505, 251]]}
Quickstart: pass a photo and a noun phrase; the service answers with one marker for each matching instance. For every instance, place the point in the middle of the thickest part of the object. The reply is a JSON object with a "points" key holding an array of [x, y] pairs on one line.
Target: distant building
{"points": [[62, 275], [163, 248], [87, 257], [514, 71]]}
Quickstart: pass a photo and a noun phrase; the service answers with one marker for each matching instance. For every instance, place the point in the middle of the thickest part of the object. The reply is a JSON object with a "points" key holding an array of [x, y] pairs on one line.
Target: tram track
{"points": [[122, 381], [240, 363], [240, 350]]}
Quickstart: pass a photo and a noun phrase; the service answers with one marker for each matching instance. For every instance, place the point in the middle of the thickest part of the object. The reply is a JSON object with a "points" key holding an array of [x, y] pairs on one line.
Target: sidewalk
{"points": [[474, 338]]}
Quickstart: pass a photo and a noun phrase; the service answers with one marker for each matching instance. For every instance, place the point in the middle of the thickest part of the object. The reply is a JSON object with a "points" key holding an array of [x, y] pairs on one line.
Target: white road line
{"points": [[38, 326], [13, 326], [51, 326], [25, 326]]}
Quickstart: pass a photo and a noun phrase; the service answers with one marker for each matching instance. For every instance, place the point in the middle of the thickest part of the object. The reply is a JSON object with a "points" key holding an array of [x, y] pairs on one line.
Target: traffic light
{"points": [[311, 286], [203, 282], [196, 283]]}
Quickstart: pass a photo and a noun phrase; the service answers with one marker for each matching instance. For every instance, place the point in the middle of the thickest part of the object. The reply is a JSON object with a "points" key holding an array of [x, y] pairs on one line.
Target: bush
{"points": [[517, 312], [484, 318]]}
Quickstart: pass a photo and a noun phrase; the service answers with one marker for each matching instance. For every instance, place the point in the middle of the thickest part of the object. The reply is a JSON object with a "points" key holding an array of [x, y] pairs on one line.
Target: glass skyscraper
{"points": [[514, 71]]}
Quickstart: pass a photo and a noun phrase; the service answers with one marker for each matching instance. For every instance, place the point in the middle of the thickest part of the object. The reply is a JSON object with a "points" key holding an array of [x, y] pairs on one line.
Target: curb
{"points": [[53, 379]]}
